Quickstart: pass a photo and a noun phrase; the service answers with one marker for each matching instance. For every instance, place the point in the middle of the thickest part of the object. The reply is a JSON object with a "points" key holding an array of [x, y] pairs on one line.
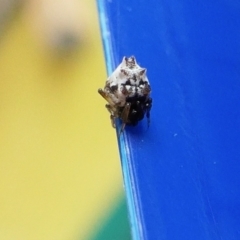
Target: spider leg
{"points": [[148, 108], [110, 107], [113, 116], [106, 96], [124, 116]]}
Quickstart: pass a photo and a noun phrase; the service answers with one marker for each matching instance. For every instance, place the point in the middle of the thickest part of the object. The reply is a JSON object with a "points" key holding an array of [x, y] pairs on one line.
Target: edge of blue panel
{"points": [[125, 155]]}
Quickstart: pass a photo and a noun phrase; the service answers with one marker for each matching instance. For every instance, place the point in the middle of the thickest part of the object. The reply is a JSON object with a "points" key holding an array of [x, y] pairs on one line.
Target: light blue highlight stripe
{"points": [[110, 58]]}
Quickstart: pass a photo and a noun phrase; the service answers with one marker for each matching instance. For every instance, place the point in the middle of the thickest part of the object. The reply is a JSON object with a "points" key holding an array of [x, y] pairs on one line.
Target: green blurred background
{"points": [[60, 169]]}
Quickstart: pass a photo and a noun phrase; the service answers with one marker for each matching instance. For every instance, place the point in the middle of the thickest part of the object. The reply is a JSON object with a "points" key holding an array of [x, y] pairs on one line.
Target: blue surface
{"points": [[182, 175]]}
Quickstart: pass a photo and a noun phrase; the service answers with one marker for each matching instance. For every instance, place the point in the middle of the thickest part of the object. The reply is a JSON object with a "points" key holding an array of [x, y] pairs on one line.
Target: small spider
{"points": [[127, 92]]}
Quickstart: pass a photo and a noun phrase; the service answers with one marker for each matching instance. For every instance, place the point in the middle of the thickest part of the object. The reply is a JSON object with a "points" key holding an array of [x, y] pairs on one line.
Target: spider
{"points": [[127, 91]]}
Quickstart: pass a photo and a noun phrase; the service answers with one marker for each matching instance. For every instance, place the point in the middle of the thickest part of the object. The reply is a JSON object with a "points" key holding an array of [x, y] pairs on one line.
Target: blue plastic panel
{"points": [[182, 175]]}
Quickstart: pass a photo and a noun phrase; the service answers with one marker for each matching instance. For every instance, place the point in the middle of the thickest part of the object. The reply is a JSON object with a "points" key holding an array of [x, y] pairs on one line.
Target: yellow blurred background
{"points": [[59, 163]]}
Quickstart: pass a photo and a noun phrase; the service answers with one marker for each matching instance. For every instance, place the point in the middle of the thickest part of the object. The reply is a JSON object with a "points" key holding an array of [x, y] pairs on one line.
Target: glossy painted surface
{"points": [[182, 174]]}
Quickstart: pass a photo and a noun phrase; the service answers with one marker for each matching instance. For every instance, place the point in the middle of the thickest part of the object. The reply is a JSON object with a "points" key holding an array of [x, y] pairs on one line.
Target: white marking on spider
{"points": [[127, 91]]}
